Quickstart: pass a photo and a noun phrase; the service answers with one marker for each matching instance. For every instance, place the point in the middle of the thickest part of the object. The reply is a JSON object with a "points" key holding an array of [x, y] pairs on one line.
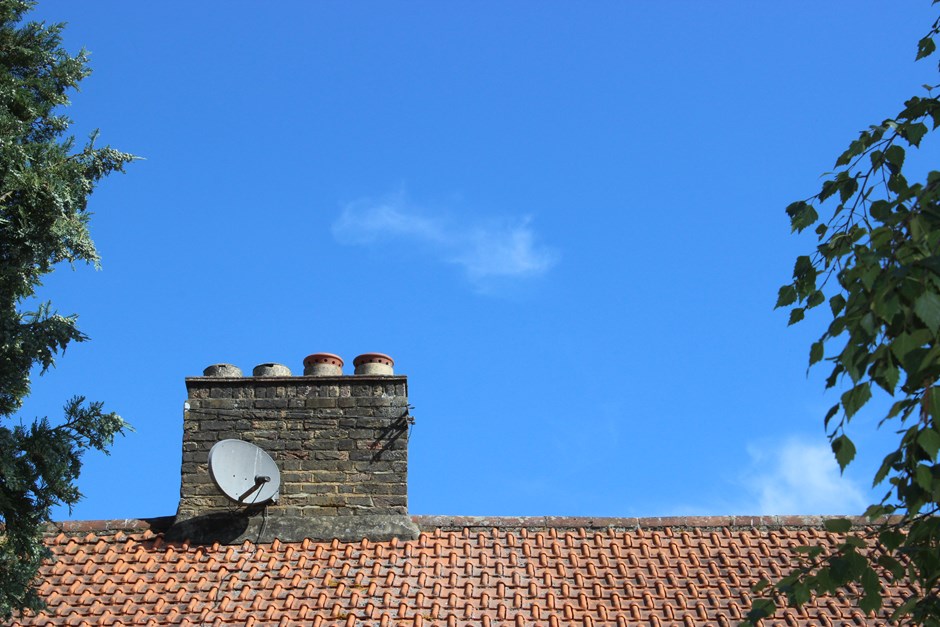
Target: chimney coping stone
{"points": [[346, 378]]}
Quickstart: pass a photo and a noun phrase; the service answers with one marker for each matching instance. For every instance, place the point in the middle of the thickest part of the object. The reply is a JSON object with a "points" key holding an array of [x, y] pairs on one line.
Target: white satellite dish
{"points": [[244, 472]]}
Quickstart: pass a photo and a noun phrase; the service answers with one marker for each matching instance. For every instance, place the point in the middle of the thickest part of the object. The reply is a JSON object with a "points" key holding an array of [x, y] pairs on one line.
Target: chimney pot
{"points": [[323, 365], [374, 364], [271, 370], [222, 370]]}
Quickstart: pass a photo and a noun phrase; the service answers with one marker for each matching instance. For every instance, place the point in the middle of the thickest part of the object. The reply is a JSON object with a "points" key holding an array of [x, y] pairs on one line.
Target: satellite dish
{"points": [[244, 472]]}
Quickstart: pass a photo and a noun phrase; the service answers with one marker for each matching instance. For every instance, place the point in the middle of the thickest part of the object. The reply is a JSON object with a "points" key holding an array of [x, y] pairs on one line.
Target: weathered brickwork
{"points": [[341, 444]]}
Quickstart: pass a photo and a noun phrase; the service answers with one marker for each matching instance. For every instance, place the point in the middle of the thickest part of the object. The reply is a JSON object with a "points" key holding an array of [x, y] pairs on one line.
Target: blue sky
{"points": [[565, 221]]}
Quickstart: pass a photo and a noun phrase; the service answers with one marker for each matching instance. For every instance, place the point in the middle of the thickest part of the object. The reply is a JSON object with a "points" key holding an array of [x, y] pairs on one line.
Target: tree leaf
{"points": [[932, 396], [786, 296], [886, 465], [891, 565], [836, 304], [802, 215], [871, 600], [923, 477], [881, 210], [913, 133], [803, 267], [925, 47], [887, 376], [815, 353], [796, 314], [844, 450], [760, 609], [837, 525], [891, 539], [815, 299], [854, 399], [847, 188], [932, 262], [929, 441], [904, 344], [904, 609], [832, 412], [927, 308], [894, 155]]}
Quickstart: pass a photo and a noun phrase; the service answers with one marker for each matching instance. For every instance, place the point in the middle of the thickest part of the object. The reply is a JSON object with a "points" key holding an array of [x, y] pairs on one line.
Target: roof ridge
{"points": [[161, 523], [604, 522]]}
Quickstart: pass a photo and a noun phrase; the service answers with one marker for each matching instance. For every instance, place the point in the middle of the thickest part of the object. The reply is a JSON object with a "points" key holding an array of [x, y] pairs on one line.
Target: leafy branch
{"points": [[877, 264]]}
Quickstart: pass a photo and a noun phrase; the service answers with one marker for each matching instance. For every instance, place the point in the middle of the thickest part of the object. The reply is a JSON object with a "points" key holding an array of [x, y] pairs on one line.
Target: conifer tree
{"points": [[45, 182]]}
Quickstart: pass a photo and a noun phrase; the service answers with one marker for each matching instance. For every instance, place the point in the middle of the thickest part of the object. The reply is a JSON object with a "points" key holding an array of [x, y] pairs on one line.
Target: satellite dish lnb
{"points": [[244, 472]]}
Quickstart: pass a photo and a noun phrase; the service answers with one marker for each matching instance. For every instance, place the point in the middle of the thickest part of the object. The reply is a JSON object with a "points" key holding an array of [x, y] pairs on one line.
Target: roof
{"points": [[479, 571]]}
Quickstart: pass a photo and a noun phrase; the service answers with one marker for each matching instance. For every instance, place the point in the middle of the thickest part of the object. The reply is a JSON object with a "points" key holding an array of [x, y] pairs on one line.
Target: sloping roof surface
{"points": [[461, 571]]}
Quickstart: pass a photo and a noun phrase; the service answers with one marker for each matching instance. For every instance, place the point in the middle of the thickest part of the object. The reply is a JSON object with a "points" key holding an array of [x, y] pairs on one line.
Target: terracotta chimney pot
{"points": [[374, 364], [323, 365]]}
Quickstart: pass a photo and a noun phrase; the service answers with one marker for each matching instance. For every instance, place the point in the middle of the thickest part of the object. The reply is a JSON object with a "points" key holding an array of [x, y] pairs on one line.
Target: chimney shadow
{"points": [[386, 438], [221, 527]]}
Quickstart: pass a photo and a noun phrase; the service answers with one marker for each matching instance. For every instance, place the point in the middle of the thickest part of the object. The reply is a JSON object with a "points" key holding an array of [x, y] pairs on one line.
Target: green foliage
{"points": [[878, 259], [44, 187]]}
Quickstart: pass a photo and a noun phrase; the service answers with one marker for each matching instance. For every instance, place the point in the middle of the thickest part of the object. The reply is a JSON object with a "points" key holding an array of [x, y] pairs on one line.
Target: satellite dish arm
{"points": [[260, 480]]}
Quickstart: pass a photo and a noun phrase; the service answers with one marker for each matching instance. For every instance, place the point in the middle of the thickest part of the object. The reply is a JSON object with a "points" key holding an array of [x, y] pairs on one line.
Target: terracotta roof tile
{"points": [[459, 571]]}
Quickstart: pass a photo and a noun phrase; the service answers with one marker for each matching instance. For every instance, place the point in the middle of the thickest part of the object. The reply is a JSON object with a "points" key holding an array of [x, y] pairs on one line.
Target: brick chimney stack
{"points": [[339, 442]]}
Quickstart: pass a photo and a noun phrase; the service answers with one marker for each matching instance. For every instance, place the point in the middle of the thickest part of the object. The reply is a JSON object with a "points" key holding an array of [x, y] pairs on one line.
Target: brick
{"points": [[320, 444], [390, 501], [317, 403], [291, 464], [269, 445], [244, 392], [319, 511], [318, 423], [329, 476], [363, 434], [361, 390], [330, 413], [220, 392], [266, 425], [389, 489], [373, 423], [271, 403], [328, 465], [220, 403], [330, 455], [198, 392], [324, 500]]}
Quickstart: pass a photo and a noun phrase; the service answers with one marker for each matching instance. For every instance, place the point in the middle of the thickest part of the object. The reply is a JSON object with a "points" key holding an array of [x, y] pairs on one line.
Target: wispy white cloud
{"points": [[366, 222], [797, 477], [486, 249]]}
